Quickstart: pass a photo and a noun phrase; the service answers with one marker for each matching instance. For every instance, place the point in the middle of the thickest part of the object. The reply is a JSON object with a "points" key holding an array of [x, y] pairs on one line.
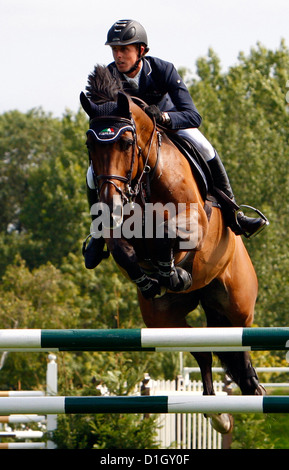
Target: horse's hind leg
{"points": [[237, 365], [221, 422], [170, 311], [204, 361]]}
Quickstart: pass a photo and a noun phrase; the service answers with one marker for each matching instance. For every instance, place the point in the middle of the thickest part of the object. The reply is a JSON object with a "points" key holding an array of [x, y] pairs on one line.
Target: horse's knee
{"points": [[154, 318]]}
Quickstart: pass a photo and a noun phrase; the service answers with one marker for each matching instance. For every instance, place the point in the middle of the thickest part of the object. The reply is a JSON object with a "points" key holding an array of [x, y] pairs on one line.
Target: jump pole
{"points": [[146, 339], [145, 404], [22, 445]]}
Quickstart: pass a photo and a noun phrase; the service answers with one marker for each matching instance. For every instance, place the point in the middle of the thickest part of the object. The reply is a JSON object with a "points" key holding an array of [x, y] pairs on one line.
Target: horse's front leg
{"points": [[125, 256], [173, 278]]}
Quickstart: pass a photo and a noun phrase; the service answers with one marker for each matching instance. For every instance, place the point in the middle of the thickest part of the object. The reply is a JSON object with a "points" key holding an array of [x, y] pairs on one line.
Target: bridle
{"points": [[132, 188]]}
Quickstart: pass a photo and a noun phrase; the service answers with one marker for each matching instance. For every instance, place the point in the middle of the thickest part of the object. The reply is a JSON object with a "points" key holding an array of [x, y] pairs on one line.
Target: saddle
{"points": [[197, 163], [201, 172]]}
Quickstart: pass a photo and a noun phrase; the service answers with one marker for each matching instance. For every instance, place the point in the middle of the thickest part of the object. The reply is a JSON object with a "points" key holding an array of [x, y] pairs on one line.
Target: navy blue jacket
{"points": [[160, 84]]}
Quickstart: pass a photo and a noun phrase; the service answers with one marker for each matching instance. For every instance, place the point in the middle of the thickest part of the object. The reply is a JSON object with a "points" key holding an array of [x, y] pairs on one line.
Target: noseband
{"points": [[122, 125]]}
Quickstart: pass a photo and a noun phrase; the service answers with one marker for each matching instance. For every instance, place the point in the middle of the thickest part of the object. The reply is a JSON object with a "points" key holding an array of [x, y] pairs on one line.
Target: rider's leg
{"points": [[93, 253], [248, 225]]}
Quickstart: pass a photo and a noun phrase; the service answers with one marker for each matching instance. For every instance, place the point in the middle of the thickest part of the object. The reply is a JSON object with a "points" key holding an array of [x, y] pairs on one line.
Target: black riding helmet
{"points": [[125, 32]]}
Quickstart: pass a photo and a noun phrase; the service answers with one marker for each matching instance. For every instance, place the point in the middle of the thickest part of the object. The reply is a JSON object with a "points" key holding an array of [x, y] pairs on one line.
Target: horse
{"points": [[137, 163]]}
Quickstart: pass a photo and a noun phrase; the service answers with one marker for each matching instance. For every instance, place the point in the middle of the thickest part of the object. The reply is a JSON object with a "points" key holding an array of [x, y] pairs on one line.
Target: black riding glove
{"points": [[154, 112]]}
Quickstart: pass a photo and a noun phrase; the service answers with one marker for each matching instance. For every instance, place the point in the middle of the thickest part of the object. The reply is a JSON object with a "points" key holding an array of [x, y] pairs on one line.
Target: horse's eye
{"points": [[125, 144]]}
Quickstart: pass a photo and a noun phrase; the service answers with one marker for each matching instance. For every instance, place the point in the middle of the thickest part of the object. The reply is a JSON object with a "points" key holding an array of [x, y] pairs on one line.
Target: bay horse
{"points": [[136, 162]]}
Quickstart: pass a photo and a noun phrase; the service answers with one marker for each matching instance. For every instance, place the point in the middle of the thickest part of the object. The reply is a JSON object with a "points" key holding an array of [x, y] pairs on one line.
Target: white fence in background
{"points": [[9, 425]]}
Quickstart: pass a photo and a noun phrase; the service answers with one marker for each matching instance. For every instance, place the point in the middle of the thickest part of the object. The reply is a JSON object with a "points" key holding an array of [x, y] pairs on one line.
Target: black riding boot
{"points": [[240, 225], [94, 252]]}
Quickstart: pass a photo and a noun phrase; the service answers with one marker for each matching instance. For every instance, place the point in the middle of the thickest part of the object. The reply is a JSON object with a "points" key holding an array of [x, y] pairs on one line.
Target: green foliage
{"points": [[44, 218], [250, 432], [42, 196], [110, 431]]}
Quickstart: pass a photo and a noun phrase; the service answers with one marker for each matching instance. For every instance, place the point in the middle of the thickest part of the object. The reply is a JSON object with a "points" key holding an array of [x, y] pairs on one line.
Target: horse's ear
{"points": [[87, 105], [123, 105]]}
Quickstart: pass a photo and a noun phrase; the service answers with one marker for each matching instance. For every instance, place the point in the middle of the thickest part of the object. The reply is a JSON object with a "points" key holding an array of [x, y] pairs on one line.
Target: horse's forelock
{"points": [[102, 86]]}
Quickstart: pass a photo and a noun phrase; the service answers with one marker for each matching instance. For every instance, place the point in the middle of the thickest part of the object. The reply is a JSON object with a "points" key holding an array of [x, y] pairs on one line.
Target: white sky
{"points": [[48, 47]]}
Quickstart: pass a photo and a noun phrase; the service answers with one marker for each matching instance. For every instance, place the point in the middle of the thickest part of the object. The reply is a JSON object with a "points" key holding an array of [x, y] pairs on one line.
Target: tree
{"points": [[25, 141], [245, 118], [43, 165]]}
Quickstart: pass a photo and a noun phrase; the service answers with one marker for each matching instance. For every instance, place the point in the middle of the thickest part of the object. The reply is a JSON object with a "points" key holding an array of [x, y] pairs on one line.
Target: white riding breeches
{"points": [[193, 135], [199, 141]]}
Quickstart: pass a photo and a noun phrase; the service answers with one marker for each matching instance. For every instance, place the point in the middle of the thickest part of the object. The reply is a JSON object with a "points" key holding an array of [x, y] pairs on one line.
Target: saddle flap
{"points": [[198, 165]]}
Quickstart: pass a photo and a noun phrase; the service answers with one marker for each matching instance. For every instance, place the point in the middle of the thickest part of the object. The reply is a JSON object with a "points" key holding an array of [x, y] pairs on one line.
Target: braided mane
{"points": [[102, 86]]}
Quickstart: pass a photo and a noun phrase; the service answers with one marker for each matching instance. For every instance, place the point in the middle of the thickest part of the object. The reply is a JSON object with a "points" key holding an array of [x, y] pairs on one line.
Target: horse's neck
{"points": [[173, 176]]}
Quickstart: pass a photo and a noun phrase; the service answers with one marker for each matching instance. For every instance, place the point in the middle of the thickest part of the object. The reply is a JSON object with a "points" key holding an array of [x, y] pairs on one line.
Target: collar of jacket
{"points": [[147, 69]]}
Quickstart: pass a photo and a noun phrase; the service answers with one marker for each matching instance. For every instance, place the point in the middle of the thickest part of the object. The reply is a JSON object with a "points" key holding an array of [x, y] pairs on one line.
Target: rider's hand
{"points": [[155, 113]]}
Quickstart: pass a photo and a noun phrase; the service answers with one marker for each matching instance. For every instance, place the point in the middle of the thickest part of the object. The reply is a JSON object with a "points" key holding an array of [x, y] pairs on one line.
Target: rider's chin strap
{"points": [[141, 56]]}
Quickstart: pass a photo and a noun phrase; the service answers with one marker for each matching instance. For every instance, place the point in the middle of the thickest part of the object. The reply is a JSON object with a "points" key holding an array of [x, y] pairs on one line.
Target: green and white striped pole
{"points": [[146, 339], [145, 404]]}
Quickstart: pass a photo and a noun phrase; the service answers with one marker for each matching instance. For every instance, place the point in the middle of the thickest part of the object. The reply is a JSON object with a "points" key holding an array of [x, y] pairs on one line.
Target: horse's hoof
{"points": [[260, 390], [222, 422]]}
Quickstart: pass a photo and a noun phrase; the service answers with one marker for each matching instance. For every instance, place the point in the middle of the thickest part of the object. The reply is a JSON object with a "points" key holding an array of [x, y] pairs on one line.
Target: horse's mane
{"points": [[102, 86]]}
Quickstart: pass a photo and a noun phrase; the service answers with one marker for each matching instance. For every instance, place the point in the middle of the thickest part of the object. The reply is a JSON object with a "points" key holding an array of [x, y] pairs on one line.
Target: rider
{"points": [[159, 85]]}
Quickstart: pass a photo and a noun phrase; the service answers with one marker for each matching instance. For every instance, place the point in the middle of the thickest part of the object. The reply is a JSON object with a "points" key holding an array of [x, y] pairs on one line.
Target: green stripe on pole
{"points": [[154, 404], [272, 338], [276, 404], [93, 340]]}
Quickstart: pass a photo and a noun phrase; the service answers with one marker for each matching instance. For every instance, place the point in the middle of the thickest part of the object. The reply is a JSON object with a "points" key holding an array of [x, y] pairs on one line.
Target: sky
{"points": [[48, 47]]}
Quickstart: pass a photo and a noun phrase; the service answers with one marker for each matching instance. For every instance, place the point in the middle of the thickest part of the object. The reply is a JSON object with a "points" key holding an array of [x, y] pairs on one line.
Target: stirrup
{"points": [[84, 244], [261, 215]]}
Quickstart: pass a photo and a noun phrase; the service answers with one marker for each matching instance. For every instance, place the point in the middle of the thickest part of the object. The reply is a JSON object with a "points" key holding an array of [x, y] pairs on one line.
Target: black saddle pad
{"points": [[199, 166]]}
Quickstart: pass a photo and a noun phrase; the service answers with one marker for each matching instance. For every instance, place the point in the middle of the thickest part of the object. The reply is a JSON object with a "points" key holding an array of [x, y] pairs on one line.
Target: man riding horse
{"points": [[158, 84]]}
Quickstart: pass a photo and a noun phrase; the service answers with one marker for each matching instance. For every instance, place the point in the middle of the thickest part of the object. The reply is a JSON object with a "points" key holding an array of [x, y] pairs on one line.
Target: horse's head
{"points": [[119, 142], [111, 142]]}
